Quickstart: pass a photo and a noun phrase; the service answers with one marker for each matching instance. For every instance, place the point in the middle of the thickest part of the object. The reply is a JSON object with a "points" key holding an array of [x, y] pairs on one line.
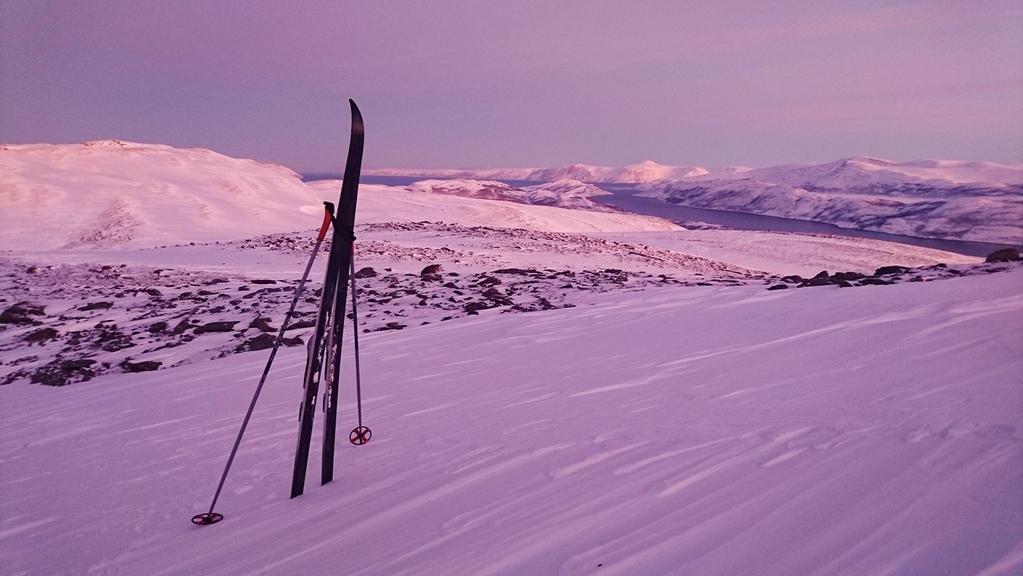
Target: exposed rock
{"points": [[821, 279], [262, 324], [366, 272], [431, 270], [220, 326], [497, 297], [20, 313], [145, 366], [874, 281], [110, 339], [157, 327], [182, 326], [301, 324], [778, 287], [793, 279], [41, 335], [847, 276], [263, 281], [1003, 255], [64, 372], [473, 308], [888, 270], [96, 306]]}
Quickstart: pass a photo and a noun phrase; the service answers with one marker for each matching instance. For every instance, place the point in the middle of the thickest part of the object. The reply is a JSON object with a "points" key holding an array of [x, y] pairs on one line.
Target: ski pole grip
{"points": [[328, 216]]}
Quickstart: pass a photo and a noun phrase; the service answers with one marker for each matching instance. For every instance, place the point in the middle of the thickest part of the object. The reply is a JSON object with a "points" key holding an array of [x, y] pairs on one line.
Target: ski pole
{"points": [[361, 434], [212, 517]]}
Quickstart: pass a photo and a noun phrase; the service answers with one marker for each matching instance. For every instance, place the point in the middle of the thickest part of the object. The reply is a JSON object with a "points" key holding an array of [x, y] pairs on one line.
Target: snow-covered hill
{"points": [[113, 193], [978, 201]]}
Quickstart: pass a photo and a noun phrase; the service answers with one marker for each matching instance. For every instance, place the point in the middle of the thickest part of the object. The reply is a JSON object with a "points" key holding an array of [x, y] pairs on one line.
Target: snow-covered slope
{"points": [[713, 431], [978, 201], [113, 193], [560, 193]]}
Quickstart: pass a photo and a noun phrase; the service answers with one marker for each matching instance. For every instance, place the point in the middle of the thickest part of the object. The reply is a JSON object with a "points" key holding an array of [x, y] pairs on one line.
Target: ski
{"points": [[344, 238], [326, 320]]}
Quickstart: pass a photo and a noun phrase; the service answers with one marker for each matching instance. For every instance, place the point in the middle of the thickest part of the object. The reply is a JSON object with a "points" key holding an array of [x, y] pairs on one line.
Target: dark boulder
{"points": [[41, 335], [847, 276], [95, 306], [262, 324], [366, 272], [889, 270], [220, 326], [821, 279], [873, 281], [20, 314], [145, 366], [64, 372], [182, 327]]}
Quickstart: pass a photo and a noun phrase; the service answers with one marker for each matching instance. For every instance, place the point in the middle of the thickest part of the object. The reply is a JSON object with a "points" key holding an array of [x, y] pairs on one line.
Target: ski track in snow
{"points": [[670, 430]]}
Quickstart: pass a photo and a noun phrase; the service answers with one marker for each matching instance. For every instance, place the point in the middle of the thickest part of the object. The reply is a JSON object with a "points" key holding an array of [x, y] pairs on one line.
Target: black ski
{"points": [[344, 237], [341, 248]]}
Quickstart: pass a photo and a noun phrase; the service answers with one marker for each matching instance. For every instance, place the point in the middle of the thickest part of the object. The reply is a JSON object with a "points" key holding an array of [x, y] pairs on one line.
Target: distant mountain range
{"points": [[109, 192], [980, 201], [648, 171]]}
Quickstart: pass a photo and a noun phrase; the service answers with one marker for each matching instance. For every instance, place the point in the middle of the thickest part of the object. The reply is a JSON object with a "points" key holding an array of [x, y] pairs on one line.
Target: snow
{"points": [[113, 193], [718, 430], [783, 254], [630, 399]]}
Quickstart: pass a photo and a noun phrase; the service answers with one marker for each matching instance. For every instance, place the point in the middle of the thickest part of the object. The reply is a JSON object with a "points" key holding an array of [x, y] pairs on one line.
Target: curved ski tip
{"points": [[356, 114]]}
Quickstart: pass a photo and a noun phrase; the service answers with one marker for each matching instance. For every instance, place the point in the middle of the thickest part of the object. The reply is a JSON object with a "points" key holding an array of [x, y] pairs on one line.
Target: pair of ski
{"points": [[325, 347], [324, 360]]}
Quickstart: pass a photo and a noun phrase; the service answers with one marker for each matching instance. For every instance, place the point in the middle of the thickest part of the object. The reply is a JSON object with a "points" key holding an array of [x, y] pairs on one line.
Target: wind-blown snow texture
{"points": [[567, 392], [673, 431]]}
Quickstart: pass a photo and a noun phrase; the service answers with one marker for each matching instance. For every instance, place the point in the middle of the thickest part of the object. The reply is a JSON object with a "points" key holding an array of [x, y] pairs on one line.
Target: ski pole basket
{"points": [[360, 435], [207, 518]]}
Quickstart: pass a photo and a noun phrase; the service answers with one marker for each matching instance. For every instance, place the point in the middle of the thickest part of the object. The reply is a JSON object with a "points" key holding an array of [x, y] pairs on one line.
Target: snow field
{"points": [[680, 430]]}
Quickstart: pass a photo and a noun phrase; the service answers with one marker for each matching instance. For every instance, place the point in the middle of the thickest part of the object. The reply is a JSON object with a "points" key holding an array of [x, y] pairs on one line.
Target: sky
{"points": [[472, 84]]}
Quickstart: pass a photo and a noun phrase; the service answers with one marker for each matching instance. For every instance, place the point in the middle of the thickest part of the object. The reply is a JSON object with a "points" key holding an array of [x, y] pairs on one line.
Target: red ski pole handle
{"points": [[328, 217]]}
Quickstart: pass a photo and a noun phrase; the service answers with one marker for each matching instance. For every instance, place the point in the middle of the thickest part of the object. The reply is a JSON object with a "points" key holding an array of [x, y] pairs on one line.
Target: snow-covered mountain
{"points": [[979, 201], [114, 193], [647, 171]]}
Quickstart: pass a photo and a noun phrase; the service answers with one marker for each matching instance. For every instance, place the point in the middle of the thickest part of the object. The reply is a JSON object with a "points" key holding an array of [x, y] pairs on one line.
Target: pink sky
{"points": [[474, 84]]}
